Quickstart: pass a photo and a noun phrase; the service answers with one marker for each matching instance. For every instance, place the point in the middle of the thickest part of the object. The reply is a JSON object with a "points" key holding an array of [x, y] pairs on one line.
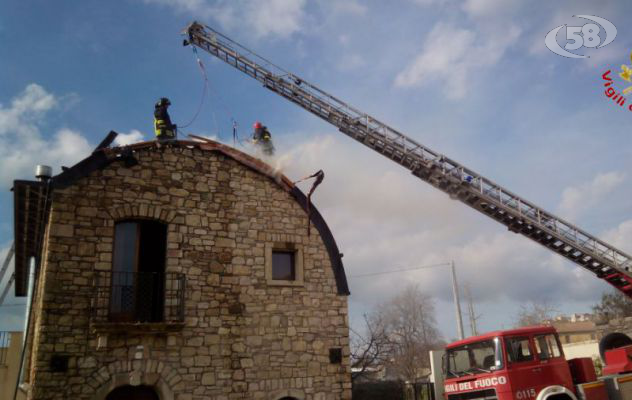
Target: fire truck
{"points": [[529, 364]]}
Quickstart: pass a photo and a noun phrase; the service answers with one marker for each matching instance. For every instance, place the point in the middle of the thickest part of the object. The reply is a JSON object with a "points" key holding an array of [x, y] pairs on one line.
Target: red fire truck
{"points": [[529, 364]]}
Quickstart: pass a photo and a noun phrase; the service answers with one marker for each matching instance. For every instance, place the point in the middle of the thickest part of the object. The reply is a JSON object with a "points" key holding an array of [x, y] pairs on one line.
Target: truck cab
{"points": [[519, 364]]}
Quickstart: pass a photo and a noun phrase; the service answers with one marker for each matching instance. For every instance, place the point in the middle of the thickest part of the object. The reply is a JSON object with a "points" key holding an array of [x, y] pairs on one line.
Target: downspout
{"points": [[29, 295]]}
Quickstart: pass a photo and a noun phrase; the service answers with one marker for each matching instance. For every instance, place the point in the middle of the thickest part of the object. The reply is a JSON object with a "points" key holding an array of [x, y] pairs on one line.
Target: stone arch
{"points": [[146, 211], [155, 374], [287, 394]]}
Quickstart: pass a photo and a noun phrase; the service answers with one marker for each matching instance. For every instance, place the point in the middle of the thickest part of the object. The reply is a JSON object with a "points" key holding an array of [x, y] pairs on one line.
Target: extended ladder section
{"points": [[458, 181]]}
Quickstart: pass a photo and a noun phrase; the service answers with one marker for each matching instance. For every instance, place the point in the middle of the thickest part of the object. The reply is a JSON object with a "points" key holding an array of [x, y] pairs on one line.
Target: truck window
{"points": [[546, 346], [518, 349], [474, 358]]}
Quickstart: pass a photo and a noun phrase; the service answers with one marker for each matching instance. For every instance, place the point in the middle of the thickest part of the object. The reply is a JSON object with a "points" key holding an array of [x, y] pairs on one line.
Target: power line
{"points": [[400, 270]]}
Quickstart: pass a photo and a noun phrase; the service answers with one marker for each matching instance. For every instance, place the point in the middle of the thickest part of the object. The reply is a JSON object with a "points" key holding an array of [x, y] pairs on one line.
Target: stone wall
{"points": [[242, 337], [623, 325]]}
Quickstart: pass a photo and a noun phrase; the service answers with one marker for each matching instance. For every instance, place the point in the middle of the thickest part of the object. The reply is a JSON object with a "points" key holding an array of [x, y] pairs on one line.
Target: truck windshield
{"points": [[474, 358]]}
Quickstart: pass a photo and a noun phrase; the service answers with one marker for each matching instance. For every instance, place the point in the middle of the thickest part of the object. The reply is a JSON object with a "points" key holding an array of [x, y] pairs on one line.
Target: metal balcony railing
{"points": [[139, 297]]}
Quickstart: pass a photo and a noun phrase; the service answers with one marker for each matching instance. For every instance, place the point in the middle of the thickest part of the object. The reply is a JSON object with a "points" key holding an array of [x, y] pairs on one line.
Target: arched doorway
{"points": [[133, 393], [288, 398]]}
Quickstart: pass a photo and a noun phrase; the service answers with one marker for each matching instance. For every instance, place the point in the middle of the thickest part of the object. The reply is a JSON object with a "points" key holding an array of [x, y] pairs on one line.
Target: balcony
{"points": [[138, 301]]}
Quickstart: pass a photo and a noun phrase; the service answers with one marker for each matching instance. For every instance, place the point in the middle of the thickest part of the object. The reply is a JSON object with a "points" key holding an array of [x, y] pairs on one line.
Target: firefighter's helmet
{"points": [[163, 102]]}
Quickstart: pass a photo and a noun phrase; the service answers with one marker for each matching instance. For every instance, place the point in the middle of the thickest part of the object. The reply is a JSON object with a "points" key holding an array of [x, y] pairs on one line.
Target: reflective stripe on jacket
{"points": [[162, 128]]}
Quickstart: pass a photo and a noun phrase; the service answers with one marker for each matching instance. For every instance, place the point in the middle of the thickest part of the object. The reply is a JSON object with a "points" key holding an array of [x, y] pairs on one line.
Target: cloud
{"points": [[385, 219], [428, 2], [348, 7], [453, 57], [350, 62], [455, 54], [280, 18], [277, 18], [577, 199], [620, 236], [22, 145], [488, 8], [123, 139], [29, 106]]}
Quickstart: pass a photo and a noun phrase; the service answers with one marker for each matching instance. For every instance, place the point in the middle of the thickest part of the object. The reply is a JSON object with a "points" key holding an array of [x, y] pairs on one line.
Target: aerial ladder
{"points": [[459, 182]]}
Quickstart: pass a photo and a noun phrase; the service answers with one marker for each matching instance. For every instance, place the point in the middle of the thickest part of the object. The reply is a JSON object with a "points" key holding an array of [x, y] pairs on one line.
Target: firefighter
{"points": [[261, 137], [163, 127]]}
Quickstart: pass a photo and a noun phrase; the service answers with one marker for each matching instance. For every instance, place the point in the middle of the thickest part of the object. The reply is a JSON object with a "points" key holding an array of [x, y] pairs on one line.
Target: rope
{"points": [[236, 138], [204, 91]]}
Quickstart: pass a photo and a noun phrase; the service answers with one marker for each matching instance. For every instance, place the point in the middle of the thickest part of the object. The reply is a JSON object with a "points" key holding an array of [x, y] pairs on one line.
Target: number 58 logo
{"points": [[581, 36]]}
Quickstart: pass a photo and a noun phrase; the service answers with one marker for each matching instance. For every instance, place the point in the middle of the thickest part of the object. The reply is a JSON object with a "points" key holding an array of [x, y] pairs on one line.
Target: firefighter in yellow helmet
{"points": [[163, 127]]}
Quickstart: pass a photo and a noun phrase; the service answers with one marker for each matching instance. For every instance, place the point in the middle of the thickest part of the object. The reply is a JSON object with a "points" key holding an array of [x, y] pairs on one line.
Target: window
{"points": [[474, 358], [546, 346], [138, 271], [518, 349], [284, 264]]}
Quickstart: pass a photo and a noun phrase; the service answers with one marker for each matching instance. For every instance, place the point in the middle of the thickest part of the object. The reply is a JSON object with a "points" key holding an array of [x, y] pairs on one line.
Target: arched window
{"points": [[138, 271]]}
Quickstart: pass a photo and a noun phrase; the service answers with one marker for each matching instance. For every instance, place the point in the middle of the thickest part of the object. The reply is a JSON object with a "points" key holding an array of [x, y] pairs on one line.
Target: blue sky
{"points": [[471, 79]]}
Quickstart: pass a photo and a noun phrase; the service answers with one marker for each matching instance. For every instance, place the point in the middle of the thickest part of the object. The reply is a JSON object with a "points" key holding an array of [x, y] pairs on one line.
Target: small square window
{"points": [[283, 265]]}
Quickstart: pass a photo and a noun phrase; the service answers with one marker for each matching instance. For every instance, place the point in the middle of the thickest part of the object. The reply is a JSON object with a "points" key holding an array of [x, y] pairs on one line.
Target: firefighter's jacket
{"points": [[162, 123]]}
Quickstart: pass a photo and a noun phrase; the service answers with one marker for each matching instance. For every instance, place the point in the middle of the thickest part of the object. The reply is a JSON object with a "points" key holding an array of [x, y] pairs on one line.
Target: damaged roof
{"points": [[32, 201]]}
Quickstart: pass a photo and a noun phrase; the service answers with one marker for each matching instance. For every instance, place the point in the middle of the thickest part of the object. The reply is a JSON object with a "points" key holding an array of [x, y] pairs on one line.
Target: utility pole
{"points": [[470, 309], [457, 304]]}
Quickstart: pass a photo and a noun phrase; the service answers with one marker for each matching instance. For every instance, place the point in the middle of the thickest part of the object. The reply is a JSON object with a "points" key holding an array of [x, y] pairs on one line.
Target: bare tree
{"points": [[370, 349], [535, 313], [613, 304], [412, 329]]}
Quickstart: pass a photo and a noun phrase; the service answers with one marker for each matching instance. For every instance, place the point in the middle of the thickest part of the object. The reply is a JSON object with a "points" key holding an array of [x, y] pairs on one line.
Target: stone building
{"points": [[574, 332], [181, 272]]}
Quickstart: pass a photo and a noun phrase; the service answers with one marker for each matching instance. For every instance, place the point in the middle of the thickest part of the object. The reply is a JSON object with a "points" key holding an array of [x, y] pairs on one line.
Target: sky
{"points": [[470, 79]]}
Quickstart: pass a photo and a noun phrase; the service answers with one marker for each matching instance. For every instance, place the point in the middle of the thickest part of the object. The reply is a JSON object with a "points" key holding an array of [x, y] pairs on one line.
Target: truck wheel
{"points": [[559, 397], [613, 341]]}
